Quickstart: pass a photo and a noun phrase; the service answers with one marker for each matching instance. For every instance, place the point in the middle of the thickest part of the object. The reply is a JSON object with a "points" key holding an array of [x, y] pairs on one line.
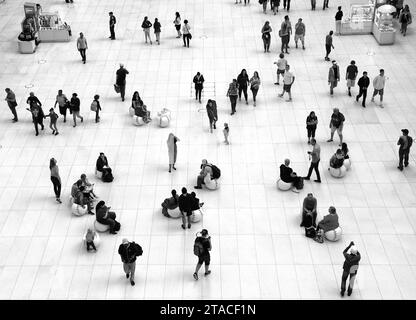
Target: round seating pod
{"points": [[338, 173], [96, 240], [174, 213], [138, 121], [99, 227], [196, 216], [211, 184], [78, 210], [284, 186], [98, 174], [347, 164], [333, 235], [131, 112], [164, 121]]}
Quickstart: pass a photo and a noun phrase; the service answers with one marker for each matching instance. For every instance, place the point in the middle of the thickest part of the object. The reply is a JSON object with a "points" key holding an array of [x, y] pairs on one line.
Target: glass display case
{"points": [[360, 19], [383, 29], [52, 29]]}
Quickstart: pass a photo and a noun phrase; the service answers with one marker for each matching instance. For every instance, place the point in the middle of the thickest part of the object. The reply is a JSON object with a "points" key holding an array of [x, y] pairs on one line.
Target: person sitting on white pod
{"points": [[336, 165], [170, 206], [347, 160]]}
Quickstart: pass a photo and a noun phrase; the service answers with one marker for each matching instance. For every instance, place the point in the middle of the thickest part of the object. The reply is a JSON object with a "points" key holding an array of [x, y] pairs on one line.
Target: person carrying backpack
{"points": [[207, 168], [128, 252], [202, 247]]}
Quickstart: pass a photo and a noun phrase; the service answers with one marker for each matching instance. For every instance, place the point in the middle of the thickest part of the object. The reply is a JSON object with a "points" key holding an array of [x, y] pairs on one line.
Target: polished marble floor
{"points": [[259, 251]]}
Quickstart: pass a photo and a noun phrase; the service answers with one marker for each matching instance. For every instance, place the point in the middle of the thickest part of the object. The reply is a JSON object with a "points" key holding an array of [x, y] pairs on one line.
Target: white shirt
{"points": [[379, 82], [287, 77]]}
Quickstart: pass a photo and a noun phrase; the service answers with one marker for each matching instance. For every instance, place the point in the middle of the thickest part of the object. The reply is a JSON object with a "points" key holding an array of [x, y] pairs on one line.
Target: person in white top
{"points": [[185, 32], [281, 66], [378, 84], [177, 23], [82, 46], [288, 79]]}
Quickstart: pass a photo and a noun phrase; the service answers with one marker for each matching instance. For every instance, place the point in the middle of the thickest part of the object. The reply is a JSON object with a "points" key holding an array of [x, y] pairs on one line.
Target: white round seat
{"points": [[99, 227], [138, 121], [284, 186], [78, 210], [211, 184], [347, 164], [131, 112], [163, 118], [98, 174], [333, 235], [174, 213], [339, 172], [196, 216], [96, 240]]}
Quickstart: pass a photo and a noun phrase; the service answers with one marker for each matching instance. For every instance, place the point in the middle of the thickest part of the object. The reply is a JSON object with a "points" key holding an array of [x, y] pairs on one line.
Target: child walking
{"points": [[54, 117], [89, 239], [226, 132]]}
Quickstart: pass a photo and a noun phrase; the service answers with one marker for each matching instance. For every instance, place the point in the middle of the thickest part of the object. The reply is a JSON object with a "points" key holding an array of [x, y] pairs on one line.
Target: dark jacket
{"points": [[336, 163], [129, 251], [75, 104], [185, 203], [33, 100], [101, 163], [242, 80], [285, 173], [157, 26], [121, 76], [146, 24], [199, 82], [37, 112], [350, 259], [206, 244], [363, 82], [212, 111]]}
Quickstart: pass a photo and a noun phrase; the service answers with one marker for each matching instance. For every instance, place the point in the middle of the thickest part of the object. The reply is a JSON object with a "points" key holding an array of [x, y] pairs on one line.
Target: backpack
{"points": [[216, 172], [107, 176], [198, 247], [138, 248], [299, 185], [94, 106], [117, 226]]}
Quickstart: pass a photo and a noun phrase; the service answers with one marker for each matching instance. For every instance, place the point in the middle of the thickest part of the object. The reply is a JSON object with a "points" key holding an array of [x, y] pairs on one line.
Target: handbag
{"points": [[14, 103], [116, 88], [189, 36]]}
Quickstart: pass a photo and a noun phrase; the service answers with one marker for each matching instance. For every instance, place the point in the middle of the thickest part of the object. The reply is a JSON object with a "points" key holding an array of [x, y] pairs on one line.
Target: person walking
{"points": [[363, 84], [146, 25], [350, 267], [264, 3], [185, 204], [311, 123], [172, 150], [33, 100], [378, 84], [315, 156], [333, 77], [351, 75], [75, 108], [186, 33], [54, 118], [96, 107], [112, 23], [157, 27], [288, 79], [56, 179], [128, 252], [199, 85], [328, 45], [405, 142], [325, 4], [405, 18], [336, 124], [338, 19], [266, 37], [212, 114], [82, 47], [281, 66], [286, 5], [11, 102], [121, 80], [275, 6], [313, 4], [255, 85], [62, 102], [232, 93], [300, 30], [36, 111], [177, 23], [284, 33], [243, 81], [202, 247]]}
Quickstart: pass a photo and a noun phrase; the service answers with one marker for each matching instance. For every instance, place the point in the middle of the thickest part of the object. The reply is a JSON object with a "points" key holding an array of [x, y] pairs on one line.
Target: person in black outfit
{"points": [[37, 116], [102, 164], [405, 142], [75, 106], [350, 267], [199, 85], [98, 108], [212, 114], [311, 123], [243, 82], [128, 252], [121, 80], [185, 206], [204, 257], [363, 84], [325, 5], [112, 25], [33, 100], [286, 4], [287, 175]]}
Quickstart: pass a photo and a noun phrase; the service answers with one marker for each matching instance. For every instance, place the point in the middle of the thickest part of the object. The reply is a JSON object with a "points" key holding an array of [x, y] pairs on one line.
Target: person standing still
{"points": [[313, 4], [281, 66], [146, 25], [82, 47], [203, 243], [128, 252], [157, 26], [62, 101], [186, 34], [338, 19], [172, 150], [333, 77], [11, 102], [97, 106], [56, 179], [315, 156], [325, 4], [177, 23], [232, 93], [300, 30], [350, 267], [363, 84], [112, 25], [199, 85], [378, 84], [288, 79], [266, 37], [255, 85], [284, 33], [286, 5], [121, 80], [226, 132], [311, 123], [75, 108], [328, 45], [405, 142], [351, 75], [184, 202], [336, 124]]}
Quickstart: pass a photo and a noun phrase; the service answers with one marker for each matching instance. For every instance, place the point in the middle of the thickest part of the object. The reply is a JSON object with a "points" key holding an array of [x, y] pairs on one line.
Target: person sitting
{"points": [[105, 216], [330, 221], [309, 209], [89, 239], [287, 175], [89, 188], [82, 200], [102, 164], [140, 110], [344, 149], [195, 204], [337, 160], [75, 188], [205, 170], [170, 203]]}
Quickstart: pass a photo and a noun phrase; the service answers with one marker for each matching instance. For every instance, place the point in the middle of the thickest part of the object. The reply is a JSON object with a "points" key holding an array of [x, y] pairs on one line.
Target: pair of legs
{"points": [[242, 89], [285, 44], [186, 40], [186, 219], [363, 93], [147, 35], [233, 100], [53, 127], [311, 132], [13, 110], [313, 4], [62, 111], [286, 87], [56, 188], [83, 54], [122, 90], [157, 34], [266, 45], [212, 123], [279, 72], [201, 260], [325, 5], [338, 27], [332, 85], [226, 138], [129, 269], [199, 181], [254, 92], [403, 155], [265, 6], [328, 51], [345, 276], [178, 30], [314, 214], [314, 166], [339, 130], [198, 91], [302, 39], [36, 122], [97, 115], [286, 4], [380, 92], [403, 28], [112, 33], [75, 115], [92, 245]]}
